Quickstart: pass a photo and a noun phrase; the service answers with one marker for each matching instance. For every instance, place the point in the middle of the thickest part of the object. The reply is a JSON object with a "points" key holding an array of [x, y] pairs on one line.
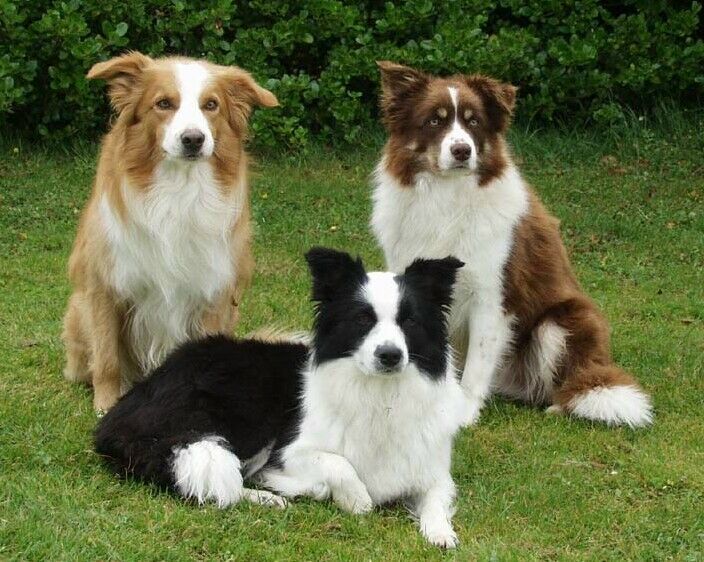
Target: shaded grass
{"points": [[530, 486]]}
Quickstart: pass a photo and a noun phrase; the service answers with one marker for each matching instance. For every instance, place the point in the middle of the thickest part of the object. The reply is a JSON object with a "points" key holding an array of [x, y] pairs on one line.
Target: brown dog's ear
{"points": [[499, 99], [244, 94], [121, 74], [398, 83], [397, 79]]}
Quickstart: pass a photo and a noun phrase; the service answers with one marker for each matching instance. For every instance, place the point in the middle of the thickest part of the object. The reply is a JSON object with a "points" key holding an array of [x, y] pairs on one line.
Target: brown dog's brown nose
{"points": [[461, 151]]}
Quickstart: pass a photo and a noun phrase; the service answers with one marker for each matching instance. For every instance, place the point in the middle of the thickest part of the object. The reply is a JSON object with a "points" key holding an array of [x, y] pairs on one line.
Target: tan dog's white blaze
{"points": [[163, 249], [520, 323]]}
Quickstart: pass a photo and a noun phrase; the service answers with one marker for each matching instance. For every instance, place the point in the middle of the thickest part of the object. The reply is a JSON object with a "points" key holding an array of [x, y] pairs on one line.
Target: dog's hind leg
{"points": [[77, 352], [262, 497], [589, 385]]}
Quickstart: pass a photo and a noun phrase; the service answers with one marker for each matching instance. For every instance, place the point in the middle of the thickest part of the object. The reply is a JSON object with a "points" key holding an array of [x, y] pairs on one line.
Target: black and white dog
{"points": [[366, 414]]}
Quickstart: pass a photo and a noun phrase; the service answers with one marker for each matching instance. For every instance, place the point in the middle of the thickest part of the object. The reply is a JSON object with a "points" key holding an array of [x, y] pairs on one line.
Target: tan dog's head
{"points": [[179, 108]]}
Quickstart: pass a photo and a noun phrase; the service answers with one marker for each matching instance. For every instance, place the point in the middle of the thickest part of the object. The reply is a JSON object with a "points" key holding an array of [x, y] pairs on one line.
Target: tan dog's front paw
{"points": [[104, 399]]}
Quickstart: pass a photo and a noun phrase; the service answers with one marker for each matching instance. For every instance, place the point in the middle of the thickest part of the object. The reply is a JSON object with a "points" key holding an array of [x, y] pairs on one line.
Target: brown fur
{"points": [[541, 287], [410, 99], [539, 284], [97, 351]]}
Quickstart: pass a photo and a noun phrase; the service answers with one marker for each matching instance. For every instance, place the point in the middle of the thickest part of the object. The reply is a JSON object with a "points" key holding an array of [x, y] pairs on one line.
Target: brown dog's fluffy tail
{"points": [[606, 394]]}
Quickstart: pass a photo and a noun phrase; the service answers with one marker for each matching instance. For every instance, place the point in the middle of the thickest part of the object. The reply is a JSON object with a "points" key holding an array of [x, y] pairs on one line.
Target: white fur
{"points": [[382, 292], [191, 78], [456, 135], [207, 471], [614, 405], [370, 440], [545, 354], [172, 256], [443, 216]]}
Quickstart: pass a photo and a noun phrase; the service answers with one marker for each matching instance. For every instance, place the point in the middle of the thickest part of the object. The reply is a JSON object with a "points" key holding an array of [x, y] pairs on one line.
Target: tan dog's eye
{"points": [[211, 105], [164, 104]]}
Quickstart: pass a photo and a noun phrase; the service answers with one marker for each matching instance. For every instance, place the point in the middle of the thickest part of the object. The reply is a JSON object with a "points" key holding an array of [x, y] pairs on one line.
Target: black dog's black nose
{"points": [[388, 355], [461, 151], [192, 140]]}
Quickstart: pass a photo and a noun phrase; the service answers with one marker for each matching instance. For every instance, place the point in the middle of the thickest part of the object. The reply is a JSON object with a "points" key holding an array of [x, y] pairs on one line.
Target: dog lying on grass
{"points": [[365, 414]]}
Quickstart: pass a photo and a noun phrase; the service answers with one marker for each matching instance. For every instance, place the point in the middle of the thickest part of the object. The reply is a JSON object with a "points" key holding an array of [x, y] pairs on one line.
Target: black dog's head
{"points": [[380, 320]]}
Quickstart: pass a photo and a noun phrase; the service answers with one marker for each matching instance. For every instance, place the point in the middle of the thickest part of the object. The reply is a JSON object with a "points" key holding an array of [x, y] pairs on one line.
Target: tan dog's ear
{"points": [[398, 85], [122, 74], [243, 94], [499, 99]]}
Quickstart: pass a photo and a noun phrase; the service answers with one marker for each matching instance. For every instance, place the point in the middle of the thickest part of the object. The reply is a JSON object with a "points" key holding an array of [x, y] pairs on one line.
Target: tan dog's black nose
{"points": [[192, 140]]}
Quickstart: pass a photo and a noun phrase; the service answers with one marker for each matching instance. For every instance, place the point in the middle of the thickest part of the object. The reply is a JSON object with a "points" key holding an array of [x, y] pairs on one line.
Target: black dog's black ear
{"points": [[434, 278], [333, 272]]}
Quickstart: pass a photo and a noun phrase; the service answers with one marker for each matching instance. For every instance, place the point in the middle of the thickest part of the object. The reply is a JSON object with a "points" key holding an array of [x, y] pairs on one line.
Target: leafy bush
{"points": [[571, 58]]}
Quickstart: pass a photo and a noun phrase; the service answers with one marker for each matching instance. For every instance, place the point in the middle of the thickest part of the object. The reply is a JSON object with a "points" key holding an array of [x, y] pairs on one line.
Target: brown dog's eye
{"points": [[211, 105], [163, 104], [473, 122], [434, 122]]}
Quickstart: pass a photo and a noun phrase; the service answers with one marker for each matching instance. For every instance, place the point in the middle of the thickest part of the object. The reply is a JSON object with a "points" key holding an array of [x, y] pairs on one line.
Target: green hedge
{"points": [[571, 58]]}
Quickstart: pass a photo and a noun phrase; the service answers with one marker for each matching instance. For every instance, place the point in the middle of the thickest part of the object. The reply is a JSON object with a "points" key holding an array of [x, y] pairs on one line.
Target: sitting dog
{"points": [[366, 414], [163, 251], [520, 322]]}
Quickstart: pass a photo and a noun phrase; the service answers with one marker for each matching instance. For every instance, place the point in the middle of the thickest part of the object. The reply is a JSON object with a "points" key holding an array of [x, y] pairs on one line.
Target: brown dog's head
{"points": [[445, 126]]}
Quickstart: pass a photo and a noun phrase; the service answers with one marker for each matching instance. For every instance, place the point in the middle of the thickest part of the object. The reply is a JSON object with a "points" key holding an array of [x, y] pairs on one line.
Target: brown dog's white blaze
{"points": [[163, 249], [520, 322], [420, 111]]}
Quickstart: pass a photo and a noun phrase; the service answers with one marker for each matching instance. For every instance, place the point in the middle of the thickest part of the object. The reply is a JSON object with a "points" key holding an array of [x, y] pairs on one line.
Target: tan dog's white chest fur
{"points": [[171, 256]]}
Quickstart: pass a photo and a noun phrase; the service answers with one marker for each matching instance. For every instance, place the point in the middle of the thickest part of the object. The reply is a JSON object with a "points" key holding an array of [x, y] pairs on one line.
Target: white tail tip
{"points": [[207, 471], [614, 405]]}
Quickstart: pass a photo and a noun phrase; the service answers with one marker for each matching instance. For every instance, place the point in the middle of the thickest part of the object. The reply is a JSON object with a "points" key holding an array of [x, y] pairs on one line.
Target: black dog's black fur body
{"points": [[246, 391]]}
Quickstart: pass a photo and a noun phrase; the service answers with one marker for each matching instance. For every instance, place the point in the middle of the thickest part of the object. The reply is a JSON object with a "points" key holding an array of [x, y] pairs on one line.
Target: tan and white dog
{"points": [[520, 322], [163, 250]]}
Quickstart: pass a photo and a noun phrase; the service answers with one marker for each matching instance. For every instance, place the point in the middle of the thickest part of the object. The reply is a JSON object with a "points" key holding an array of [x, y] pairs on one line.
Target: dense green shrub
{"points": [[583, 58]]}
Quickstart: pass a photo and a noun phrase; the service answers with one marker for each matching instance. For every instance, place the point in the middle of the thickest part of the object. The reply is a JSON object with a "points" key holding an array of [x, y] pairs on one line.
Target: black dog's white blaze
{"points": [[384, 321], [310, 421]]}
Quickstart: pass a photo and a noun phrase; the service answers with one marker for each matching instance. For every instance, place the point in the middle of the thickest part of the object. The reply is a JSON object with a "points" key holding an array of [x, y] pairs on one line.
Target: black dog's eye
{"points": [[366, 318], [408, 323]]}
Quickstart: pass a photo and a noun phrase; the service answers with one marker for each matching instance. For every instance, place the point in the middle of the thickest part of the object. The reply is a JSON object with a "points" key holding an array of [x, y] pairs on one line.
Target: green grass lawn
{"points": [[530, 486]]}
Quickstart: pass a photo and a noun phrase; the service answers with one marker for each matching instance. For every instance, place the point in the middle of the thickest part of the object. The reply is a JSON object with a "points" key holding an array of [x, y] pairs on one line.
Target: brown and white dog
{"points": [[163, 250], [520, 322]]}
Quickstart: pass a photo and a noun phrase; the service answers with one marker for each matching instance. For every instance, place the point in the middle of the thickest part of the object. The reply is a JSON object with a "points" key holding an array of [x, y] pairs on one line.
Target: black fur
{"points": [[243, 390], [426, 294], [342, 318]]}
